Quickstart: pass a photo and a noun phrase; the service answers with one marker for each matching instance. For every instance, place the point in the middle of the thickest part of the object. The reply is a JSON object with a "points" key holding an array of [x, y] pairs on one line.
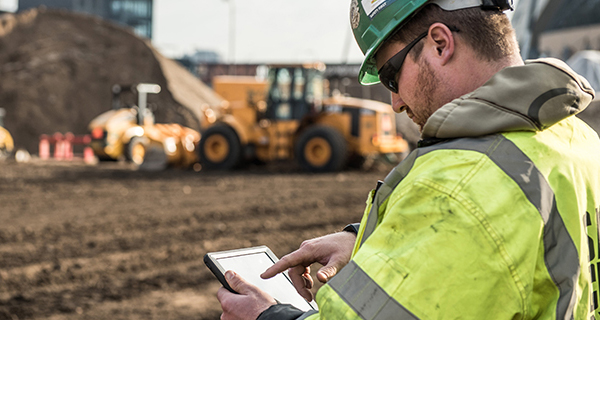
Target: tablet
{"points": [[249, 263]]}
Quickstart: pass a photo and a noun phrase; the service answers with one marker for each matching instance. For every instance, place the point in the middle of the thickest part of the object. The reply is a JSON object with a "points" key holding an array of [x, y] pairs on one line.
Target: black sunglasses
{"points": [[389, 71]]}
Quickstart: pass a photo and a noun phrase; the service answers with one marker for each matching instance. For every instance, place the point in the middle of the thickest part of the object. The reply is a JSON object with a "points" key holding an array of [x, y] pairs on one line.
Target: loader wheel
{"points": [[321, 149], [220, 148], [147, 155], [137, 150]]}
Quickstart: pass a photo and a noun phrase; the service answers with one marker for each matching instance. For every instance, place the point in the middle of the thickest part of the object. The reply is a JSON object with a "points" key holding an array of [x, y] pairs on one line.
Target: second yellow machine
{"points": [[129, 132]]}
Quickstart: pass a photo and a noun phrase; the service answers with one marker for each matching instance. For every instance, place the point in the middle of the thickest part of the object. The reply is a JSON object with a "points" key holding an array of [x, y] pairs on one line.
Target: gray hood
{"points": [[530, 97]]}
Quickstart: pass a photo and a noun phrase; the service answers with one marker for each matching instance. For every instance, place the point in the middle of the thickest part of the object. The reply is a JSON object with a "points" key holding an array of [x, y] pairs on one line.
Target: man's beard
{"points": [[427, 83]]}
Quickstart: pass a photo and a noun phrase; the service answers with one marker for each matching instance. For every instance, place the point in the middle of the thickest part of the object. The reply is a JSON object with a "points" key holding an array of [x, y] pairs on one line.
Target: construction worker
{"points": [[494, 216]]}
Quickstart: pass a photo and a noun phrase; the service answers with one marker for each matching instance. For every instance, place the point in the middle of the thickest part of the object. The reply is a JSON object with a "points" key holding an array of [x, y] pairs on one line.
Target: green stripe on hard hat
{"points": [[373, 21]]}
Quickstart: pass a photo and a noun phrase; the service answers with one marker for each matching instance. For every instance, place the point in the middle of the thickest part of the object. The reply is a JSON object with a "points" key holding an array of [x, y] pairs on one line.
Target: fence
{"points": [[61, 147]]}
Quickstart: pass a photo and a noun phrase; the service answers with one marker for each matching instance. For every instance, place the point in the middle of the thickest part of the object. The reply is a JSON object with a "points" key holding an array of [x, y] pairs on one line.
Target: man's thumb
{"points": [[326, 273], [236, 282]]}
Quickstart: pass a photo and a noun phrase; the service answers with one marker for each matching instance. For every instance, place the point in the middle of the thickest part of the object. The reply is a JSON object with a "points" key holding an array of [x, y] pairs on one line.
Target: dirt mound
{"points": [[58, 68]]}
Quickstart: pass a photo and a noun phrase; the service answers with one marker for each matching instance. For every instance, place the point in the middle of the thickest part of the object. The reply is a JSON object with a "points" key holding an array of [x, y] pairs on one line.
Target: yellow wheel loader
{"points": [[129, 132], [288, 116], [7, 144]]}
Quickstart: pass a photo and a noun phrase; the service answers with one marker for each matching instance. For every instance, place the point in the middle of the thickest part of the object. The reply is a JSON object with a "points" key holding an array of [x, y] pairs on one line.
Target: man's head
{"points": [[444, 47]]}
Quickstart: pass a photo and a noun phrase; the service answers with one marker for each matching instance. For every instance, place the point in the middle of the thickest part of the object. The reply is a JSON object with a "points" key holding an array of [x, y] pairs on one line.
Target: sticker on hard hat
{"points": [[374, 7]]}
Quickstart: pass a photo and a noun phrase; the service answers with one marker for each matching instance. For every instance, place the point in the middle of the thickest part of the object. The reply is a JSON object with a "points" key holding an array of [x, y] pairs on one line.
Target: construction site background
{"points": [[58, 68]]}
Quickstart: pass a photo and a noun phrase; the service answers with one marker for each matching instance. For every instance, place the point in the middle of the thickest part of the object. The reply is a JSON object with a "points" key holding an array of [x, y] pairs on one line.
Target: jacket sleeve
{"points": [[353, 228], [281, 312]]}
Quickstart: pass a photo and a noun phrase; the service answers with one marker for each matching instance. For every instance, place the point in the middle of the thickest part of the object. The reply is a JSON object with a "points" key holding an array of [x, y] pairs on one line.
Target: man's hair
{"points": [[489, 33]]}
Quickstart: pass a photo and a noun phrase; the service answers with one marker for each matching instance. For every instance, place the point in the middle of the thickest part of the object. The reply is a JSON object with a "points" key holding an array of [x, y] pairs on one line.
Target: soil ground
{"points": [[109, 242]]}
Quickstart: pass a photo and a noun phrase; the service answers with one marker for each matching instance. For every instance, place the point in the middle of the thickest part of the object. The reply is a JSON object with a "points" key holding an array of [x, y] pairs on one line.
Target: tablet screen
{"points": [[251, 264]]}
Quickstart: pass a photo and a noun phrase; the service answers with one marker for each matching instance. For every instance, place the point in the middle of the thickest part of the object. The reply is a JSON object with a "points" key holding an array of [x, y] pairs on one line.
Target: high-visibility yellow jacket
{"points": [[497, 218]]}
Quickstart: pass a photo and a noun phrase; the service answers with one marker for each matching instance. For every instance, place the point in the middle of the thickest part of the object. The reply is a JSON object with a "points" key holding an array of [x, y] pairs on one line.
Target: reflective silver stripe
{"points": [[365, 296], [560, 252], [562, 261]]}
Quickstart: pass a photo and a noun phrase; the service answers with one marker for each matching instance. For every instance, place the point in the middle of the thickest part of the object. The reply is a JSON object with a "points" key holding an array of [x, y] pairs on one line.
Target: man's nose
{"points": [[397, 104]]}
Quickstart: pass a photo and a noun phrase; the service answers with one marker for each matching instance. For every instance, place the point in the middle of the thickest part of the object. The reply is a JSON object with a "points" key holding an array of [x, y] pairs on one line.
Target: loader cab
{"points": [[294, 91]]}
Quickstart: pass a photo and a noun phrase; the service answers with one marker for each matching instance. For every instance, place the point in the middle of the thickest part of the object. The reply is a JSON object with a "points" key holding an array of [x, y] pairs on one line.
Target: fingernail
{"points": [[229, 275]]}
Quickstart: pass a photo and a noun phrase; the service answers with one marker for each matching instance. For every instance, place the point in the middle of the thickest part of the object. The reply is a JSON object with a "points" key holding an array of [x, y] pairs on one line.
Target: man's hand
{"points": [[332, 251], [248, 304]]}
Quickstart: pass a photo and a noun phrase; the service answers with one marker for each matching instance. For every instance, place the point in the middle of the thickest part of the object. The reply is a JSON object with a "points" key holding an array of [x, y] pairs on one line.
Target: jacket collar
{"points": [[529, 97]]}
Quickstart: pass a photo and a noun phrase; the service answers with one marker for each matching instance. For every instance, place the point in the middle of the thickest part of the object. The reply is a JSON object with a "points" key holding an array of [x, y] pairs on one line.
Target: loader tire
{"points": [[136, 150], [220, 148], [321, 149], [147, 155]]}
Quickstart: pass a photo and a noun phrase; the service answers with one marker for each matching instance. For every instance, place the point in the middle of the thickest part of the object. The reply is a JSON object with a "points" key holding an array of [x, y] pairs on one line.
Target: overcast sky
{"points": [[265, 30]]}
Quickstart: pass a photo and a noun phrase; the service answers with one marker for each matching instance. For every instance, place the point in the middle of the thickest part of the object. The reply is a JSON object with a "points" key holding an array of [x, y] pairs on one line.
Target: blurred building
{"points": [[557, 28], [201, 57], [136, 14]]}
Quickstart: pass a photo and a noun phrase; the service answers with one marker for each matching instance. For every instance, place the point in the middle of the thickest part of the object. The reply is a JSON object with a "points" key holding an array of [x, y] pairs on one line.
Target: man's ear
{"points": [[443, 41]]}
